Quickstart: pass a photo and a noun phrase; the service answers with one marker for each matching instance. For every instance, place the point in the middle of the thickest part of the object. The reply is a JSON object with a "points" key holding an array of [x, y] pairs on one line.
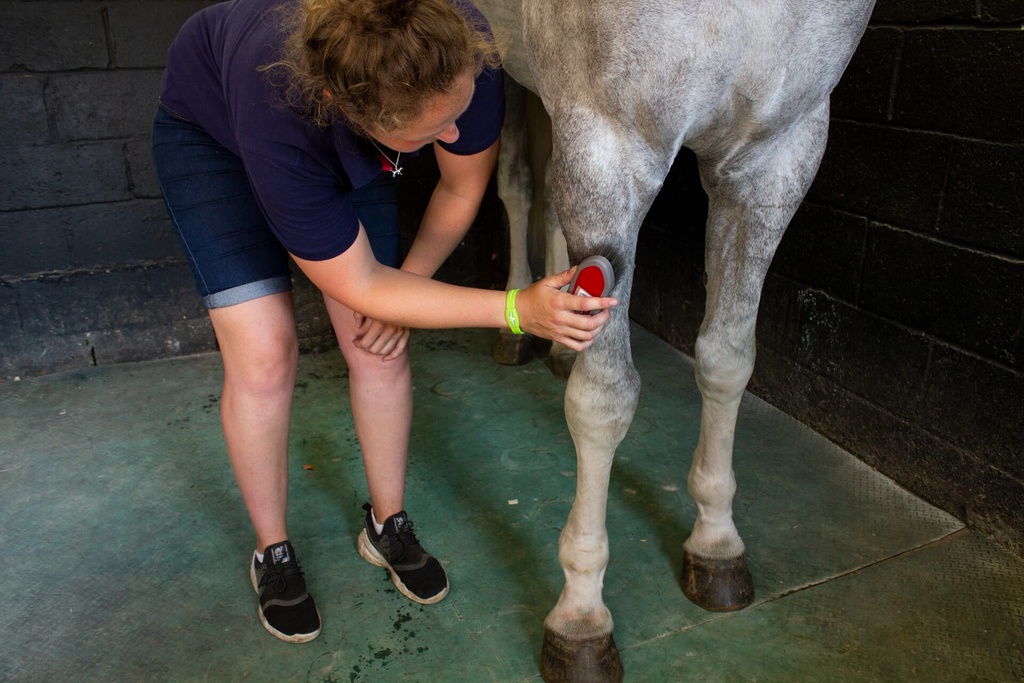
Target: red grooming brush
{"points": [[594, 277]]}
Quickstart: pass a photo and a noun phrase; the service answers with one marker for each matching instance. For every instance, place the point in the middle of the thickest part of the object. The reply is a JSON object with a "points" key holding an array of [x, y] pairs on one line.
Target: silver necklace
{"points": [[395, 169]]}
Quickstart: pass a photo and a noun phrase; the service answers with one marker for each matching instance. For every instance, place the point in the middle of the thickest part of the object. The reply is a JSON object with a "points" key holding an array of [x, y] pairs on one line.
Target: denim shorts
{"points": [[230, 248]]}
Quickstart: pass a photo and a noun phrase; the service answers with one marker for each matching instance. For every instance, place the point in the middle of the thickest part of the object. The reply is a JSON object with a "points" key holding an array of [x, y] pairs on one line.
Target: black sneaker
{"points": [[413, 570], [286, 609]]}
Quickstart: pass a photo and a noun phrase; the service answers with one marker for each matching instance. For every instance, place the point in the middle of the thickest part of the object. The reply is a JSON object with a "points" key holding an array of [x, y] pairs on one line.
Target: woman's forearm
{"points": [[394, 296], [446, 221]]}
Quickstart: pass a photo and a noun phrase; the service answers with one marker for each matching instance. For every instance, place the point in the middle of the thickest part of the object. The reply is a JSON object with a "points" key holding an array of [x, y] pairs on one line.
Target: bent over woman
{"points": [[281, 126]]}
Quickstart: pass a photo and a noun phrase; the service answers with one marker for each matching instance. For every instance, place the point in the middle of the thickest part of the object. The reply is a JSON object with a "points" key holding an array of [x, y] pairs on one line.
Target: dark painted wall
{"points": [[90, 269], [891, 321]]}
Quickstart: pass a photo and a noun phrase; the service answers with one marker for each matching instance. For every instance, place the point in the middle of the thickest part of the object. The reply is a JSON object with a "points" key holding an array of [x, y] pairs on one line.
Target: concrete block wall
{"points": [[90, 268], [892, 320]]}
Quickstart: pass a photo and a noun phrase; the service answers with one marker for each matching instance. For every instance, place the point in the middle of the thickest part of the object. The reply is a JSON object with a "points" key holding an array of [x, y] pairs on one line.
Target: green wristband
{"points": [[511, 314]]}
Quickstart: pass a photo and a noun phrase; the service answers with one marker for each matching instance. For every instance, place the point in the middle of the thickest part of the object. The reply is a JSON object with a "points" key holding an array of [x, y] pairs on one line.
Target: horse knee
{"points": [[722, 368]]}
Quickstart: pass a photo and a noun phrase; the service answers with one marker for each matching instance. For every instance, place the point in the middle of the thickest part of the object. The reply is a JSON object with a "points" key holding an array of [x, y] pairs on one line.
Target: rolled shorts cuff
{"points": [[248, 292]]}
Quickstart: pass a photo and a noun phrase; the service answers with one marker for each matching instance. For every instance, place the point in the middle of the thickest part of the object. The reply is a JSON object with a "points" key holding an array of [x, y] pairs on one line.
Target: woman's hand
{"points": [[546, 311], [380, 338]]}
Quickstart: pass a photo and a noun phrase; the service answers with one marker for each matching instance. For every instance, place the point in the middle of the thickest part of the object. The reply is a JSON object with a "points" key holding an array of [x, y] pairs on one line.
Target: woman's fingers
{"points": [[553, 314], [381, 339]]}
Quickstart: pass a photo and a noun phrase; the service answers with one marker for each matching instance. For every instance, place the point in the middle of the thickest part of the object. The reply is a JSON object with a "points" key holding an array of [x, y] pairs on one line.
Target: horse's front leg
{"points": [[750, 204], [600, 401], [600, 208]]}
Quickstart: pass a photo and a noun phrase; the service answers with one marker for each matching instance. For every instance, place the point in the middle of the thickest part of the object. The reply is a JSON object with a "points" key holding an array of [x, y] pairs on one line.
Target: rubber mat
{"points": [[131, 542]]}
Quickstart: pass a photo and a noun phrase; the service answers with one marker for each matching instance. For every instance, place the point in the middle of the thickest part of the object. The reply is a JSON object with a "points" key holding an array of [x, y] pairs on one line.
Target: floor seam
{"points": [[947, 538]]}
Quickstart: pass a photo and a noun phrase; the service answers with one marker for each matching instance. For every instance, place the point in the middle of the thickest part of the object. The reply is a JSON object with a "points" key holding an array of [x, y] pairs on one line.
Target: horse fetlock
{"points": [[583, 562], [712, 485], [572, 622], [718, 540]]}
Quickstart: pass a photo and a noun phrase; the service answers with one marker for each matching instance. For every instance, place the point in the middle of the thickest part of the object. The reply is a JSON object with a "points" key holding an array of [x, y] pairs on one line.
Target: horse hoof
{"points": [[512, 349], [561, 364], [717, 585], [579, 661]]}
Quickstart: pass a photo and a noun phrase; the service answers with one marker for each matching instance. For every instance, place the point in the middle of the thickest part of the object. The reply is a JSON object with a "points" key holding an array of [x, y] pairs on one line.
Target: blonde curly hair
{"points": [[376, 63]]}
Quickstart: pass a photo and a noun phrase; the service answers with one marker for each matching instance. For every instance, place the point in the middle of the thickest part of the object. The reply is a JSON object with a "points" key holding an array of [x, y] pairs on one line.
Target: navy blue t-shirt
{"points": [[301, 174]]}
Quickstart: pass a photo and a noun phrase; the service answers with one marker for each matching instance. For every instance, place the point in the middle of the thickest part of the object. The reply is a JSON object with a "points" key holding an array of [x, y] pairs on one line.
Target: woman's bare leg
{"points": [[381, 396], [259, 347]]}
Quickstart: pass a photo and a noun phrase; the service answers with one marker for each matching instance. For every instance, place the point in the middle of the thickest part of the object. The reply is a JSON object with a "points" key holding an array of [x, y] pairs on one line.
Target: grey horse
{"points": [[745, 85]]}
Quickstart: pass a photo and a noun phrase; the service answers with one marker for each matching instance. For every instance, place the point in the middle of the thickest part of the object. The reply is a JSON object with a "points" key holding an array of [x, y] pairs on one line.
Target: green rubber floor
{"points": [[126, 546]]}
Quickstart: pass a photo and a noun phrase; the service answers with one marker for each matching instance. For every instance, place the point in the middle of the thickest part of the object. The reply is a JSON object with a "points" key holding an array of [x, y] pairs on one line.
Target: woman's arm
{"points": [[449, 215], [356, 279]]}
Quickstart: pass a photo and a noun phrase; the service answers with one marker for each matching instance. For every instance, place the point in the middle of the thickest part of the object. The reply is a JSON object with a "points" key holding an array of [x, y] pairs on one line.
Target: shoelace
{"points": [[279, 574], [407, 538]]}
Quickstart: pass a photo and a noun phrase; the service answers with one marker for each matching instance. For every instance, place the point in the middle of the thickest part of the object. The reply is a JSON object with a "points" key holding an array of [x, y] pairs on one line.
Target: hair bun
{"points": [[374, 16]]}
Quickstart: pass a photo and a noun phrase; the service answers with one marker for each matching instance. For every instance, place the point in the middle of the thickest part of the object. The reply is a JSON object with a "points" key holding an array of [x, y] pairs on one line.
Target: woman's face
{"points": [[437, 122]]}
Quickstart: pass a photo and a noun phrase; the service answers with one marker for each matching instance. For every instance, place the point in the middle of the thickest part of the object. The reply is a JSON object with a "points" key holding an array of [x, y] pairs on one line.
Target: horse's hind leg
{"points": [[526, 136], [556, 259], [515, 188], [750, 205]]}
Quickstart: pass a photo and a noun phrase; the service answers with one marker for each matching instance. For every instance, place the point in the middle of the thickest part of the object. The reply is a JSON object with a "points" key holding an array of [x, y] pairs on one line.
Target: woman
{"points": [[278, 119]]}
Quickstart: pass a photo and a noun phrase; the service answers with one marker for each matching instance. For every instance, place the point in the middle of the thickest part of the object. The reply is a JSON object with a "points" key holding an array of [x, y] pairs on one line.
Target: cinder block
{"points": [[894, 176], [171, 287], [62, 175], [984, 197], [112, 235], [823, 249], [52, 36], [971, 299], [104, 104], [142, 30], [779, 316], [23, 115], [30, 356], [923, 10], [865, 91], [668, 288], [976, 405], [87, 302], [144, 182], [871, 357], [179, 336], [967, 82], [32, 244], [1002, 10], [9, 314]]}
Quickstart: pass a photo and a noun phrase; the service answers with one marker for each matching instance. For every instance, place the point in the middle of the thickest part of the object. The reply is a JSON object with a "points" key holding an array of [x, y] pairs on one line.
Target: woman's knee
{"points": [[265, 365], [366, 366], [259, 344]]}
